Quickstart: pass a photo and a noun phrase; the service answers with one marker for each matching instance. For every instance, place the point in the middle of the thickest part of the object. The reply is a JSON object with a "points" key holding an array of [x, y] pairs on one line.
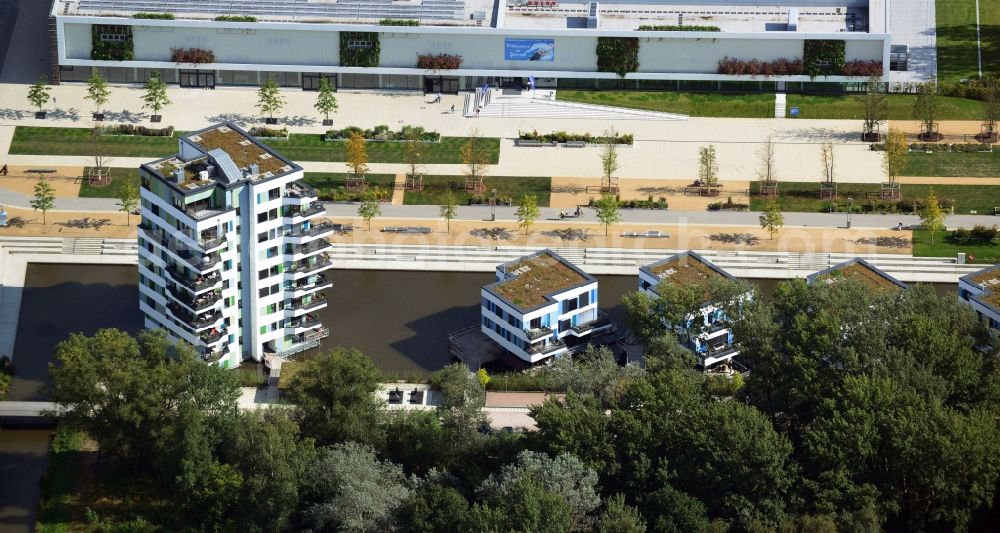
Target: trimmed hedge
{"points": [[359, 57], [562, 136], [191, 55], [979, 234], [943, 147], [260, 131], [728, 205], [974, 89], [383, 133], [439, 62], [154, 16], [133, 129], [860, 67], [236, 18], [646, 27], [398, 22], [618, 54], [823, 57], [755, 67], [111, 50]]}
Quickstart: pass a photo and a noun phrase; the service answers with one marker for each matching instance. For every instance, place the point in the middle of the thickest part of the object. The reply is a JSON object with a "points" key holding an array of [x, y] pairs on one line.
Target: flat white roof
{"points": [[527, 14]]}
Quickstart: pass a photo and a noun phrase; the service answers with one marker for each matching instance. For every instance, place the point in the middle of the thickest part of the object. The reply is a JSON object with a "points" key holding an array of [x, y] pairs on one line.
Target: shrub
{"points": [[111, 50], [979, 234], [260, 131], [359, 49], [236, 18], [646, 27], [562, 137], [133, 129], [755, 67], [618, 54], [728, 205], [823, 57], [439, 62], [383, 133], [973, 88], [398, 22], [860, 67], [194, 56], [941, 147], [155, 16]]}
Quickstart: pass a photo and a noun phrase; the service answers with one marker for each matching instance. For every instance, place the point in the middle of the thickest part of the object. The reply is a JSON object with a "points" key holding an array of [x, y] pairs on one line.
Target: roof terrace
{"points": [[989, 281], [858, 270], [687, 268], [532, 279]]}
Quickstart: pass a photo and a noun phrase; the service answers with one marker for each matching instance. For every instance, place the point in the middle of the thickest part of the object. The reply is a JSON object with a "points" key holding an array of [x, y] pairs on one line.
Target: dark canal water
{"points": [[400, 319]]}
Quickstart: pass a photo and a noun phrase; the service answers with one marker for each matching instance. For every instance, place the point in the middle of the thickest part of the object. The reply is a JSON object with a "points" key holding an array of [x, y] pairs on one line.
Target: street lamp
{"points": [[493, 206], [850, 204]]}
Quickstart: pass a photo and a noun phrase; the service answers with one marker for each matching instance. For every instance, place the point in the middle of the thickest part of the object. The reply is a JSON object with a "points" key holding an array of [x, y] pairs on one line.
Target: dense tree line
{"points": [[864, 411]]}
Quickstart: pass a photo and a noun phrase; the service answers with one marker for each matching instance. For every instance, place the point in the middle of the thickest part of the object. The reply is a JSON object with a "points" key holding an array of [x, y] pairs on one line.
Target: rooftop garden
{"points": [[241, 150], [861, 273], [537, 276], [684, 270]]}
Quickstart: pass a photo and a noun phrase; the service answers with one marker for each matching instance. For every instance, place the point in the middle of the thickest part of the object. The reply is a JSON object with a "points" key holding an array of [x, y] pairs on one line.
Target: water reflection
{"points": [[23, 458]]}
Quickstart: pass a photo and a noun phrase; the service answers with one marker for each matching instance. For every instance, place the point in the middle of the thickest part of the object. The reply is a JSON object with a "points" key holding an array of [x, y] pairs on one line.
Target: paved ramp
{"points": [[541, 106]]}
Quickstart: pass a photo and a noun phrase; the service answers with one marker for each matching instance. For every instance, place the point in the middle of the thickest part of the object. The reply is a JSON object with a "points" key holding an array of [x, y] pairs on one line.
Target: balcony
{"points": [[212, 336], [198, 284], [204, 262], [213, 357], [210, 239], [314, 231], [600, 323], [300, 190], [303, 303], [538, 333], [202, 210], [546, 349], [305, 341], [312, 264], [305, 321], [295, 211], [192, 319], [197, 303], [312, 247], [306, 284]]}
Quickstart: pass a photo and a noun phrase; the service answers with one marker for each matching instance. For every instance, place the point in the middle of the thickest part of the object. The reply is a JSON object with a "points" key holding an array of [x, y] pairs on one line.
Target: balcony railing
{"points": [[212, 336], [202, 263], [192, 319], [305, 211], [197, 284], [300, 189], [307, 340], [305, 321], [212, 357], [601, 321], [306, 285], [201, 211], [310, 265], [301, 304], [313, 231], [198, 303], [546, 348], [314, 246], [538, 333]]}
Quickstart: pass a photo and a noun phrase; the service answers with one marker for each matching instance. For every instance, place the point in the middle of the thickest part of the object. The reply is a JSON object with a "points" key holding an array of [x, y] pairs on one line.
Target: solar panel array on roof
{"points": [[343, 9], [226, 165]]}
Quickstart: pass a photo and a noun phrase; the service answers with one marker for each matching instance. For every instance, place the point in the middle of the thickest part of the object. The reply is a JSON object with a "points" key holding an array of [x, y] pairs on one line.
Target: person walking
{"points": [[453, 109], [3, 171]]}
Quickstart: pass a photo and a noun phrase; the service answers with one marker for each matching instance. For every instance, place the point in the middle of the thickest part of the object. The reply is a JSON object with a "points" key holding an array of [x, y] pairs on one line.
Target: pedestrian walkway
{"points": [[780, 103], [399, 188], [545, 105]]}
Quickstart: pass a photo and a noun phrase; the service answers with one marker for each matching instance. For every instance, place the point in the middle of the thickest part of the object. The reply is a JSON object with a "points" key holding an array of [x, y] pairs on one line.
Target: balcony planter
{"points": [[40, 115], [754, 67], [439, 62], [194, 56], [155, 119], [98, 117]]}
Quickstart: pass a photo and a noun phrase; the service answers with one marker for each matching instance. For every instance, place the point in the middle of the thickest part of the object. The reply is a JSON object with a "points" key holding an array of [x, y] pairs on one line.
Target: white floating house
{"points": [[706, 332], [541, 306], [858, 270], [979, 290]]}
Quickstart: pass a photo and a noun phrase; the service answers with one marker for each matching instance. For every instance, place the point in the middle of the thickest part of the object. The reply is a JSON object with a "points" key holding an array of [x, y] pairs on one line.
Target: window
{"points": [[274, 194], [536, 323], [569, 305], [261, 217], [262, 274], [564, 325], [584, 299], [261, 237]]}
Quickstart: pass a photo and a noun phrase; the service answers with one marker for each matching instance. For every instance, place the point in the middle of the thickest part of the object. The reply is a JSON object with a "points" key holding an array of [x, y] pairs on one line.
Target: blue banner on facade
{"points": [[529, 49]]}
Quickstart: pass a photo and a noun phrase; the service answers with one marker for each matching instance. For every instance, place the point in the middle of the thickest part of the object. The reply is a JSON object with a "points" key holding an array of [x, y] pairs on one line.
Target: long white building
{"points": [[453, 45], [230, 259]]}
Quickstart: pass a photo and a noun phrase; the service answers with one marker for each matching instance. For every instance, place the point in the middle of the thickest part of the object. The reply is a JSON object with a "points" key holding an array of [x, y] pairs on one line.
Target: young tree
{"points": [[269, 99], [369, 208], [609, 160], [45, 198], [608, 211], [894, 159], [931, 215], [38, 92], [619, 517], [527, 212], [357, 154], [826, 157], [412, 151], [326, 102], [876, 109], [474, 157], [155, 95], [448, 209], [97, 91], [767, 173], [991, 107], [128, 199], [708, 167], [461, 408], [772, 219], [925, 109]]}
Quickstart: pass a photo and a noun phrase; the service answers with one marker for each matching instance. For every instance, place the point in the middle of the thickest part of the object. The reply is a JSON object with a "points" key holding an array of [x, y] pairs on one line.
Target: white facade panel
{"points": [[703, 55], [232, 45], [863, 50], [76, 38]]}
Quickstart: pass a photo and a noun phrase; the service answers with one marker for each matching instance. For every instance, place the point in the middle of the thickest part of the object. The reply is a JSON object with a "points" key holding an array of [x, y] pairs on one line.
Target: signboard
{"points": [[529, 49]]}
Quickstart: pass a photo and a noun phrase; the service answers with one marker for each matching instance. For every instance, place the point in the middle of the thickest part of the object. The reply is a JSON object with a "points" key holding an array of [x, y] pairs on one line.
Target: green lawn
{"points": [[956, 38], [804, 197], [942, 247], [327, 184], [506, 186], [58, 507], [694, 104], [977, 165], [900, 107], [119, 175], [298, 147]]}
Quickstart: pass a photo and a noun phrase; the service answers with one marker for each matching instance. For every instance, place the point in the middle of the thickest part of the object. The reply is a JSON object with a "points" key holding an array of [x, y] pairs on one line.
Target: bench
{"points": [[653, 233], [40, 171], [406, 229], [342, 228], [533, 143]]}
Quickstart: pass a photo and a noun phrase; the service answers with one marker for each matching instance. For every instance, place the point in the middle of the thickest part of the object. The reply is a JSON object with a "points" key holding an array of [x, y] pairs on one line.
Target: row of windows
{"points": [[272, 194], [506, 334]]}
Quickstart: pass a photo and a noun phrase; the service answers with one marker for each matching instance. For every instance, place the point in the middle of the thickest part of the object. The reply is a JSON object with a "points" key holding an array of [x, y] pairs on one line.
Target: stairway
{"points": [[779, 105], [72, 245], [576, 256]]}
